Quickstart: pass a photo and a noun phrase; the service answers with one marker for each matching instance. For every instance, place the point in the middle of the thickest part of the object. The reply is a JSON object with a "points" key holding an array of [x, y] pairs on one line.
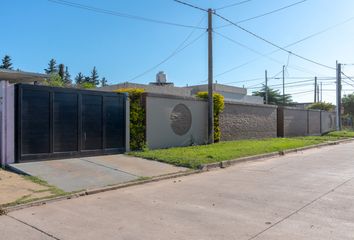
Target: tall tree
{"points": [[61, 71], [6, 62], [79, 78], [52, 67], [103, 82], [67, 76], [274, 96], [94, 76]]}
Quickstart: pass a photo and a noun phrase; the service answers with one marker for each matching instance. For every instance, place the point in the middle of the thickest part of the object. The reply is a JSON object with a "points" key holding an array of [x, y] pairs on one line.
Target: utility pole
{"points": [[266, 87], [315, 92], [321, 91], [318, 93], [339, 96], [284, 85], [210, 78]]}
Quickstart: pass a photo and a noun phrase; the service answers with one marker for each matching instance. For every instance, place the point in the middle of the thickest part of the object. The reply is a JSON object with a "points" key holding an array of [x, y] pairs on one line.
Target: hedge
{"points": [[219, 106]]}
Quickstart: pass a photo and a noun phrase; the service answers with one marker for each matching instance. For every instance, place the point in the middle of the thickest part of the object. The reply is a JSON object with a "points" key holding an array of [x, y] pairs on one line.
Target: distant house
{"points": [[161, 86]]}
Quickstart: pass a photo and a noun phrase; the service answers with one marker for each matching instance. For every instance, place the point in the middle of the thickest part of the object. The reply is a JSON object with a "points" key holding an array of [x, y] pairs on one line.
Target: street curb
{"points": [[203, 168], [5, 210], [229, 163]]}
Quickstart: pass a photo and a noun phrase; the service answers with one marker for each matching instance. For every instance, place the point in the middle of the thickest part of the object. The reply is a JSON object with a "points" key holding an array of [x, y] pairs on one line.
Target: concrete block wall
{"points": [[294, 122], [245, 121], [328, 122], [314, 123]]}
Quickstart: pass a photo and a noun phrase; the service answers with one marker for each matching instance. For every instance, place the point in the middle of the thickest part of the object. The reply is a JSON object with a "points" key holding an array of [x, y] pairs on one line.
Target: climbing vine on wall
{"points": [[137, 117], [219, 105]]}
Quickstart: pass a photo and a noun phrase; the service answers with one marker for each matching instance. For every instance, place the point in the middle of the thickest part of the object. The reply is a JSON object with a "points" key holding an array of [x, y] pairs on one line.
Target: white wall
{"points": [[159, 133]]}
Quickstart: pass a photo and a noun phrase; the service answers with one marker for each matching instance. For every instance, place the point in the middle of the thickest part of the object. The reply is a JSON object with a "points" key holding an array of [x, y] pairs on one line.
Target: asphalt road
{"points": [[307, 195]]}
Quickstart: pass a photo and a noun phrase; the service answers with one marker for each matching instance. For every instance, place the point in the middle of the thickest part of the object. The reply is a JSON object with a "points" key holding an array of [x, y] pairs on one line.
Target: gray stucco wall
{"points": [[292, 122], [244, 121], [314, 122], [328, 122], [161, 120]]}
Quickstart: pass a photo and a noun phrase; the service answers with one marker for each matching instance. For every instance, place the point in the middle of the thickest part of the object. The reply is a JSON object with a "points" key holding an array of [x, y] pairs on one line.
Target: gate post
{"points": [[127, 123], [7, 121]]}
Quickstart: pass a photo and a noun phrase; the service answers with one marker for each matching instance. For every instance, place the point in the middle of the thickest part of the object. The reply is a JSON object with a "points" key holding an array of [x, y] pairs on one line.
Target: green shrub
{"points": [[329, 107], [219, 105], [137, 117]]}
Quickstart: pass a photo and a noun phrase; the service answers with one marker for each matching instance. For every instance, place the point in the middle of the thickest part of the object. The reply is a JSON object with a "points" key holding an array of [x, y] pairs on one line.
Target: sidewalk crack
{"points": [[303, 207], [35, 228]]}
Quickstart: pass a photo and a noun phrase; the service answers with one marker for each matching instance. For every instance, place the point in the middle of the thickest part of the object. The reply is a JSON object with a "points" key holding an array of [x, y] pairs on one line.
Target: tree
{"points": [[67, 76], [52, 67], [88, 80], [103, 82], [329, 107], [274, 96], [6, 63], [61, 71], [55, 80], [348, 104], [79, 78], [87, 85], [94, 77]]}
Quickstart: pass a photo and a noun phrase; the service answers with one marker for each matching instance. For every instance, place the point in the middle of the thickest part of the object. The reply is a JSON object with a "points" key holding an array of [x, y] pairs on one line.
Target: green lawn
{"points": [[195, 156]]}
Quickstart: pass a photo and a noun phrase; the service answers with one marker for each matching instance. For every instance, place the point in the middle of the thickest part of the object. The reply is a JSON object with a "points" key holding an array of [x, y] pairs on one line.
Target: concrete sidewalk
{"points": [[93, 172], [308, 195]]}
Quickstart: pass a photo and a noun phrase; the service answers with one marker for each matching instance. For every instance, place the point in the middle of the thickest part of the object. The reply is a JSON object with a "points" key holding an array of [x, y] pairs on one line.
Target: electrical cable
{"points": [[264, 14], [271, 43], [232, 5], [191, 5], [175, 52], [118, 14]]}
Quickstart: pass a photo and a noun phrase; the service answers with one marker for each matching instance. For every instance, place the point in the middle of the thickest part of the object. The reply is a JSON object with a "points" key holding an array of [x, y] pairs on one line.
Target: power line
{"points": [[348, 77], [289, 45], [191, 5], [271, 43], [119, 14], [175, 52], [264, 14], [257, 52], [348, 83], [232, 5]]}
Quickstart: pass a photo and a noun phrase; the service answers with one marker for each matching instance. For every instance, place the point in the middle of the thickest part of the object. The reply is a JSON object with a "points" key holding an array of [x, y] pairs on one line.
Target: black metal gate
{"points": [[56, 123]]}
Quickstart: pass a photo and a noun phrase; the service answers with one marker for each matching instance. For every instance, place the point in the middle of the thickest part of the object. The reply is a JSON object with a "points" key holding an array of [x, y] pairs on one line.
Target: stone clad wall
{"points": [[245, 121]]}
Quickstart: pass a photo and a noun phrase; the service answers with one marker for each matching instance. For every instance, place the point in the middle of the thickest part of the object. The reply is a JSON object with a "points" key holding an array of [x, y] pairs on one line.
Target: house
{"points": [[161, 86]]}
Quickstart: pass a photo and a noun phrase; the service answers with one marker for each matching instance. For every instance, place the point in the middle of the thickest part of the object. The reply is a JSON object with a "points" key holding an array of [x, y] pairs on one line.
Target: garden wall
{"points": [[173, 121], [328, 122], [294, 122], [245, 121], [314, 122]]}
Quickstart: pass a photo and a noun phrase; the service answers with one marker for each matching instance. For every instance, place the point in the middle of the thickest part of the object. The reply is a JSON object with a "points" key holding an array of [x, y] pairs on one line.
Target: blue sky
{"points": [[123, 48]]}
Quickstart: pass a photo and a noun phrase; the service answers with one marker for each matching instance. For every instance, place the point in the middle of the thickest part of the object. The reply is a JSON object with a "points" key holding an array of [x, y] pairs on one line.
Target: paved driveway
{"points": [[309, 195], [92, 172]]}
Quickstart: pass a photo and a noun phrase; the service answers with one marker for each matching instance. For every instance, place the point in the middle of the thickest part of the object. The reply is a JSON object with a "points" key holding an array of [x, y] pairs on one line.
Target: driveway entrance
{"points": [[93, 172]]}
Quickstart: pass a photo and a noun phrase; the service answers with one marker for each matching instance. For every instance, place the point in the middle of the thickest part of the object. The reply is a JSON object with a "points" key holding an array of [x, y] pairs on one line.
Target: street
{"points": [[308, 195]]}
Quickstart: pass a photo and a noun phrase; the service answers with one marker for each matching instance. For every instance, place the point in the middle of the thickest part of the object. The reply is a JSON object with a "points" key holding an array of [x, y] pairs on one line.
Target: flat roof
{"points": [[21, 77]]}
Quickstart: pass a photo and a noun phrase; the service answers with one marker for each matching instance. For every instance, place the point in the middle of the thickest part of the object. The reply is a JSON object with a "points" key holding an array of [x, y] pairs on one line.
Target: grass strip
{"points": [[195, 156]]}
